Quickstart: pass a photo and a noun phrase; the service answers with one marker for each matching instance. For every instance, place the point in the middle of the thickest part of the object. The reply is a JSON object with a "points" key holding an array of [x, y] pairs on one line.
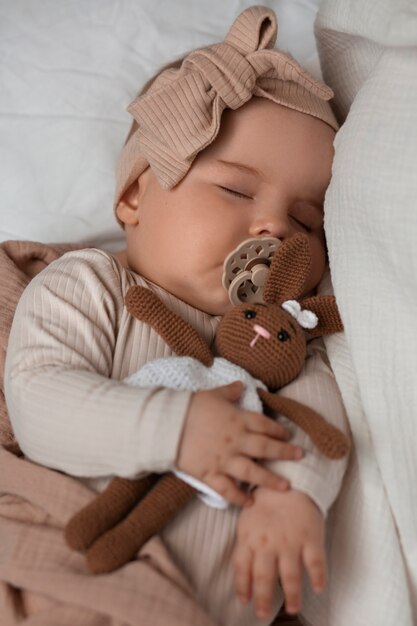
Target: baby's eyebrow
{"points": [[246, 169]]}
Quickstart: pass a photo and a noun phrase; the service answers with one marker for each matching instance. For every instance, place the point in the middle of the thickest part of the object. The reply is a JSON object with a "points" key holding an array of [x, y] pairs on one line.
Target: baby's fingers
{"points": [[264, 581], [248, 471], [290, 574], [259, 423], [242, 565], [264, 447], [315, 565], [228, 488]]}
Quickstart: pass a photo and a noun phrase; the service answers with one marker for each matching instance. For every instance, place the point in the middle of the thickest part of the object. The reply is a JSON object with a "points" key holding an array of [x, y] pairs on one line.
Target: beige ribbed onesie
{"points": [[71, 343]]}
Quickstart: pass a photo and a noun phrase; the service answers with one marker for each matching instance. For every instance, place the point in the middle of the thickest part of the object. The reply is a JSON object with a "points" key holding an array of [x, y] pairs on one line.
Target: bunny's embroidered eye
{"points": [[283, 335], [249, 315]]}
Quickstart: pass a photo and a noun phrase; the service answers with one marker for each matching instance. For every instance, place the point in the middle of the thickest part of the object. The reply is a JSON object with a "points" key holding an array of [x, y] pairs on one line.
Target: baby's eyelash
{"points": [[304, 226], [239, 194]]}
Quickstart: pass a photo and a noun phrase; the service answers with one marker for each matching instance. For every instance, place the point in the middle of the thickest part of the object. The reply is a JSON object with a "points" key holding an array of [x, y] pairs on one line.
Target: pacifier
{"points": [[246, 267]]}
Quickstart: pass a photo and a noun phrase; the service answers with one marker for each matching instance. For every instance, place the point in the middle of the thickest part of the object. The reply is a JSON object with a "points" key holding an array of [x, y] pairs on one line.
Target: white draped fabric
{"points": [[369, 56]]}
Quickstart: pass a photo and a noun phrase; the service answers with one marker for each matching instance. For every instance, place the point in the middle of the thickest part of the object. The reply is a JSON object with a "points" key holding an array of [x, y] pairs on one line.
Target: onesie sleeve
{"points": [[317, 476], [66, 410]]}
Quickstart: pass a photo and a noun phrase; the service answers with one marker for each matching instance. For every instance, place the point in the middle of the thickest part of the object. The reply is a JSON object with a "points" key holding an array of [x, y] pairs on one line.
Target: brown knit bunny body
{"points": [[268, 341]]}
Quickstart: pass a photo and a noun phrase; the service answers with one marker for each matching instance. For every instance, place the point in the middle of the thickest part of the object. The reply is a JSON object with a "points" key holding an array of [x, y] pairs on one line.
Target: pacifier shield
{"points": [[246, 267]]}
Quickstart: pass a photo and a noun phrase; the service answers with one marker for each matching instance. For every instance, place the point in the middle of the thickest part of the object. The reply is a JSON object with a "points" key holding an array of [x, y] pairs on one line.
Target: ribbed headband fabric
{"points": [[181, 112]]}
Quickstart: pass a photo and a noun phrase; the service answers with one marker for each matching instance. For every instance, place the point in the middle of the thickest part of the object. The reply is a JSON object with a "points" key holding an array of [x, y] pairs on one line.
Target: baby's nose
{"points": [[260, 332], [272, 223]]}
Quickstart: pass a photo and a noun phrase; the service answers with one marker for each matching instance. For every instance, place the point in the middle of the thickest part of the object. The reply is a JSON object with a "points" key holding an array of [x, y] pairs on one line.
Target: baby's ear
{"points": [[325, 308], [127, 207], [289, 270]]}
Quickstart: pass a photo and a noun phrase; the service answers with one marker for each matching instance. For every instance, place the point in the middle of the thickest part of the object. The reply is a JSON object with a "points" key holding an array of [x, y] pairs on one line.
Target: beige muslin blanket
{"points": [[43, 583]]}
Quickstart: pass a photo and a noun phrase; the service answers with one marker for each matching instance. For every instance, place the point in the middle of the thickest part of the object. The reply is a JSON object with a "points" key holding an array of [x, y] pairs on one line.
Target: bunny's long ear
{"points": [[145, 305], [289, 270], [325, 308]]}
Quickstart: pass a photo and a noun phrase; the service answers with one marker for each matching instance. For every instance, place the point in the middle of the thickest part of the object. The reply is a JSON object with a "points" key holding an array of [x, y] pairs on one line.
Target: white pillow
{"points": [[369, 56], [67, 73]]}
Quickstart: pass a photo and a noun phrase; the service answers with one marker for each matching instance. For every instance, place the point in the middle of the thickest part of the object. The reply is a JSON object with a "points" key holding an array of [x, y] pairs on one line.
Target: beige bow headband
{"points": [[180, 113]]}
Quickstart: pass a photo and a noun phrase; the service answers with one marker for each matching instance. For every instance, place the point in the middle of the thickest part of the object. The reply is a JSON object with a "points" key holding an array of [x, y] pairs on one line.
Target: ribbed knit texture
{"points": [[180, 114], [71, 344], [19, 262], [79, 342]]}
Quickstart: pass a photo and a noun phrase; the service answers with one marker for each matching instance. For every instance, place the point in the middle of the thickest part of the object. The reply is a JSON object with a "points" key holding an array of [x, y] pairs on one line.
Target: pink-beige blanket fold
{"points": [[42, 582]]}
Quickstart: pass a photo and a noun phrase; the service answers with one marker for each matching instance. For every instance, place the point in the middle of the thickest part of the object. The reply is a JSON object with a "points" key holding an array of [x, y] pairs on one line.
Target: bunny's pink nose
{"points": [[260, 332]]}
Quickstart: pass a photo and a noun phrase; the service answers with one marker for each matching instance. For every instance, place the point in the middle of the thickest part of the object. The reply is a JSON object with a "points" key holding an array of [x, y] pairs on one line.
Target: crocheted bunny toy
{"points": [[264, 345]]}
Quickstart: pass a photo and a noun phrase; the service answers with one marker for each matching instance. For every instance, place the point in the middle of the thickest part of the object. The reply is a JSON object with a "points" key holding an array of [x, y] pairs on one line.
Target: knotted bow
{"points": [[180, 114]]}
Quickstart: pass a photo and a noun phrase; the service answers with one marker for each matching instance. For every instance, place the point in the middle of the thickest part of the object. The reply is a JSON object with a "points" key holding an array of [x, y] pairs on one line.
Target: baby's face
{"points": [[265, 175]]}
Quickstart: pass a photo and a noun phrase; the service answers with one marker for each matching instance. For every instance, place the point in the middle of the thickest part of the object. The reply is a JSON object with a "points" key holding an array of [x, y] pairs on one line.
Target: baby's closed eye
{"points": [[308, 216], [236, 192]]}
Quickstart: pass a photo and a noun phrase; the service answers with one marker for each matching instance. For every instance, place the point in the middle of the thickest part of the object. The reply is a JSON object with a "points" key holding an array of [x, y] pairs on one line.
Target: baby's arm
{"points": [[315, 475], [291, 535], [68, 413], [66, 410], [278, 537]]}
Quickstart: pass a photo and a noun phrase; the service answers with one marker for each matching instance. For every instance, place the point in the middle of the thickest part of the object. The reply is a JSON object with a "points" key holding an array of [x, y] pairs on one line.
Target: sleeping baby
{"points": [[235, 141]]}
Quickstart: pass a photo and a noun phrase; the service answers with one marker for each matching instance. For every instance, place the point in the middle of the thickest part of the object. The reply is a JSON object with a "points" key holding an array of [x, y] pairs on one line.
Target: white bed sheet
{"points": [[67, 72]]}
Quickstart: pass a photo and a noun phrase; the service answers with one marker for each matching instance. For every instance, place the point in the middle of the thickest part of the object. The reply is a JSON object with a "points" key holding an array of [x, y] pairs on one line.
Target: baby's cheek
{"points": [[318, 262]]}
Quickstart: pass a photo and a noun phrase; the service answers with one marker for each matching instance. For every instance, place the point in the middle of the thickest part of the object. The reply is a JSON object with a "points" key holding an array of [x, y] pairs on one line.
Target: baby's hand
{"points": [[220, 442], [278, 536]]}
